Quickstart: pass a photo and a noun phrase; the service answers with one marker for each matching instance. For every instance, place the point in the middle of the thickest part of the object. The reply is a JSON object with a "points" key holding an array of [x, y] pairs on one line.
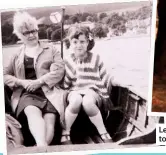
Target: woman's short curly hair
{"points": [[23, 20], [75, 32]]}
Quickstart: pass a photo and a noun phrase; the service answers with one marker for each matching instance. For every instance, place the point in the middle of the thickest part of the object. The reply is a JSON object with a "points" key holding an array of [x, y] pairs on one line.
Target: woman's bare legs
{"points": [[36, 124], [49, 119]]}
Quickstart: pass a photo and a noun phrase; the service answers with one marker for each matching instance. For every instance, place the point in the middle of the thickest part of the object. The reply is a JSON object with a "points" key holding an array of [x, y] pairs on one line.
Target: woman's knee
{"points": [[75, 102], [50, 120], [89, 104], [32, 111]]}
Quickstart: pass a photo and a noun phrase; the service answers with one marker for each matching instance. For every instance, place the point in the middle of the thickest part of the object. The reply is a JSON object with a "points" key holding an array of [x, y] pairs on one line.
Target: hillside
{"points": [[72, 9]]}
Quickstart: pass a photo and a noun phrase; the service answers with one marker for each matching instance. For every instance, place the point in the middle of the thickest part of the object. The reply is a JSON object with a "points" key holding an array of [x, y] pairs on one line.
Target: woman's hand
{"points": [[35, 84], [23, 83]]}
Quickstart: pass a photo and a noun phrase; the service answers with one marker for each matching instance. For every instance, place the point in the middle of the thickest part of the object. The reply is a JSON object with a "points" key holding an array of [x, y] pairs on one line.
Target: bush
{"points": [[145, 12], [122, 29], [95, 18], [105, 28], [52, 28], [98, 31], [102, 15], [48, 32], [84, 16], [74, 19], [7, 29], [106, 20], [42, 33], [56, 35], [12, 39], [141, 31], [66, 17], [90, 18]]}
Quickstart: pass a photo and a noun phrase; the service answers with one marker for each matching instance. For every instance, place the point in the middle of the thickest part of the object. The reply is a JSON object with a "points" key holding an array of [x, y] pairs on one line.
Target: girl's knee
{"points": [[89, 105], [75, 102], [88, 101], [75, 98]]}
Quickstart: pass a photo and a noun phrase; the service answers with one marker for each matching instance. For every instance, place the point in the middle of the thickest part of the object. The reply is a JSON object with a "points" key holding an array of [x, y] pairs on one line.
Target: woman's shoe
{"points": [[106, 138], [67, 141]]}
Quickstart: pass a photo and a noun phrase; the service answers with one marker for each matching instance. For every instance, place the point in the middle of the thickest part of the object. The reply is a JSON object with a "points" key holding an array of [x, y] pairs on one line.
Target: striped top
{"points": [[87, 74]]}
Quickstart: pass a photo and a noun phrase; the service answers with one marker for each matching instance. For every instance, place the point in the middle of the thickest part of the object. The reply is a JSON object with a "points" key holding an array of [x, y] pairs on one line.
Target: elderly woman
{"points": [[33, 73]]}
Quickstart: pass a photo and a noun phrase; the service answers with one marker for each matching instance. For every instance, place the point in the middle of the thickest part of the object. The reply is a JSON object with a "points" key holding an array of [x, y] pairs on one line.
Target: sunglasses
{"points": [[27, 33]]}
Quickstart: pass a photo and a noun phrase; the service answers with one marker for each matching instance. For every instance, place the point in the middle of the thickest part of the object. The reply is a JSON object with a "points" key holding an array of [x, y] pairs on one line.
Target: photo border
{"points": [[12, 6]]}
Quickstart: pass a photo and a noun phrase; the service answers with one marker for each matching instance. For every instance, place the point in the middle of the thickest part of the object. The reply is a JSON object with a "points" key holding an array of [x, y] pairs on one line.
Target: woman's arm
{"points": [[57, 70], [9, 78], [67, 81]]}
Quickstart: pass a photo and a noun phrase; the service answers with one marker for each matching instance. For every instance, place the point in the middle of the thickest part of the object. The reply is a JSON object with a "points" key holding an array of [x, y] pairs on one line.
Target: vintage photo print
{"points": [[76, 77]]}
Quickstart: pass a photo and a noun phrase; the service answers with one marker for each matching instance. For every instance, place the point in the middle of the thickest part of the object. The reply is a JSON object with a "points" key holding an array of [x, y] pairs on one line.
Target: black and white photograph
{"points": [[76, 77]]}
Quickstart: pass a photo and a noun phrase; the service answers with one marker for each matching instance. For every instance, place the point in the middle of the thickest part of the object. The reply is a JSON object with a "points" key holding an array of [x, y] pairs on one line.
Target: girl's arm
{"points": [[69, 73], [104, 75]]}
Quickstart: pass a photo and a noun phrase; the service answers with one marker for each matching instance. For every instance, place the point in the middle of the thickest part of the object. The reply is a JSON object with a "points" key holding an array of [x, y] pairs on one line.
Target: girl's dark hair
{"points": [[75, 32]]}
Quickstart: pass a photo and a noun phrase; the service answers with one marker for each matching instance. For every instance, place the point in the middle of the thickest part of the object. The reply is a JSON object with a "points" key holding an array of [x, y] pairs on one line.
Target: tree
{"points": [[49, 31], [14, 39], [105, 29], [98, 31], [102, 15], [90, 19], [122, 29], [95, 17], [84, 16], [56, 35], [145, 12], [106, 20], [74, 19], [7, 34], [7, 29], [66, 17], [42, 33]]}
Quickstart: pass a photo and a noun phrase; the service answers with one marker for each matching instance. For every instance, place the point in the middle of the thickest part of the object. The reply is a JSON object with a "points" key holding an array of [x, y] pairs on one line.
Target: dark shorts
{"points": [[39, 101], [92, 93]]}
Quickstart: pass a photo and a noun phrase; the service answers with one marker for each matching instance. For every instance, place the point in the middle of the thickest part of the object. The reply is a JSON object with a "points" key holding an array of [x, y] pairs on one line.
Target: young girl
{"points": [[87, 81]]}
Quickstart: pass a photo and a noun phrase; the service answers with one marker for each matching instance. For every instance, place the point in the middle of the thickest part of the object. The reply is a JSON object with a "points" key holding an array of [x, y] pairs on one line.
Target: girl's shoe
{"points": [[106, 138], [67, 141]]}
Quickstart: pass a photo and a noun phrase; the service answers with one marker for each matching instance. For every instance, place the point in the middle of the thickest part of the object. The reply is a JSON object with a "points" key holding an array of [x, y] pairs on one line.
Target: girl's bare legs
{"points": [[71, 113], [49, 119], [91, 109], [36, 124]]}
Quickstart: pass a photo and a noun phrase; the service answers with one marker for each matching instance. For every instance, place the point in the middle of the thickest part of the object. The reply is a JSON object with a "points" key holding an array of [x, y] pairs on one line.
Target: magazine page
{"points": [[78, 77]]}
